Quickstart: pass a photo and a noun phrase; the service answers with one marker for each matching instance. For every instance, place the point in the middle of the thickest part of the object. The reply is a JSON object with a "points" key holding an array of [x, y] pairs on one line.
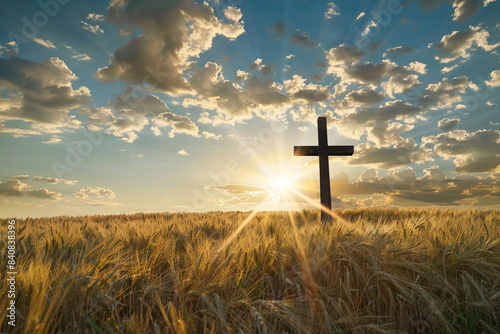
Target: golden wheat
{"points": [[375, 271]]}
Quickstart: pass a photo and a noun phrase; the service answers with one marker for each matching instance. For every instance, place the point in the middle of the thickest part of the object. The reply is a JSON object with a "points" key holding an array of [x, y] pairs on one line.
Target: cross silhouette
{"points": [[323, 151]]}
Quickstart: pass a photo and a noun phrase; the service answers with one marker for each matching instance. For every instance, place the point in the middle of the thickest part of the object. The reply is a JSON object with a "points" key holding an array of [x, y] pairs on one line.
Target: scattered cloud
{"points": [[459, 43], [95, 29], [331, 11], [360, 15], [278, 29], [95, 17], [448, 124], [182, 152], [9, 49], [53, 180], [400, 50], [96, 191], [465, 9], [495, 79], [470, 151], [44, 42], [303, 40]]}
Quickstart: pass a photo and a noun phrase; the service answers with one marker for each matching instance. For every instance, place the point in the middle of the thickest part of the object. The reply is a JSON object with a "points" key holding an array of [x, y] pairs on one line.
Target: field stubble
{"points": [[374, 271]]}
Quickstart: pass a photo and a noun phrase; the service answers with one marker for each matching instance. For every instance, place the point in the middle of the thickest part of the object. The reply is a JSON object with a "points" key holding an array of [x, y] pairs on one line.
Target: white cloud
{"points": [[182, 152], [46, 43], [95, 17], [96, 191], [360, 15], [331, 11], [93, 29], [495, 79]]}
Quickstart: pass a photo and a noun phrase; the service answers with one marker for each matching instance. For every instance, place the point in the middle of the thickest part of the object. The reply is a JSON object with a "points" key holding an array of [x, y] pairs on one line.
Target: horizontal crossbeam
{"points": [[315, 150]]}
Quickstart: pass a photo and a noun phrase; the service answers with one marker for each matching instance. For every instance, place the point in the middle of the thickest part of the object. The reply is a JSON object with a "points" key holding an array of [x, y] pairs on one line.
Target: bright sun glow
{"points": [[281, 183]]}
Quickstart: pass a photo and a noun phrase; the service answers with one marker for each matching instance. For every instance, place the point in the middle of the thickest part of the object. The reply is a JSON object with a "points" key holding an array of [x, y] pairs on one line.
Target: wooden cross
{"points": [[323, 151]]}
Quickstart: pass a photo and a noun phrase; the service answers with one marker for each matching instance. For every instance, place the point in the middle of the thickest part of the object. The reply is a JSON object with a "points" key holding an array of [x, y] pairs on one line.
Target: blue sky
{"points": [[140, 106]]}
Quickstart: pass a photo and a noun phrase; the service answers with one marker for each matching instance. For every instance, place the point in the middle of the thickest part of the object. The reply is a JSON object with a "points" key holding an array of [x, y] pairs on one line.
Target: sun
{"points": [[281, 183]]}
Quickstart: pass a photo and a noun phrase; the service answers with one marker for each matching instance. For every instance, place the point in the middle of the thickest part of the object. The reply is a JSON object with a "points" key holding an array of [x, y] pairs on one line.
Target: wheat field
{"points": [[370, 271]]}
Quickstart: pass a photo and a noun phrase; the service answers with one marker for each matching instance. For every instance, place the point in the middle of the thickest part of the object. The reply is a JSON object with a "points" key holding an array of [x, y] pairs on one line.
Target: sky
{"points": [[150, 106]]}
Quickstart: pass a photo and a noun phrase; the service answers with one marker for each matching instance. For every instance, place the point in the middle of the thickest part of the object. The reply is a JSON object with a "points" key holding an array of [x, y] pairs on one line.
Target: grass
{"points": [[374, 271]]}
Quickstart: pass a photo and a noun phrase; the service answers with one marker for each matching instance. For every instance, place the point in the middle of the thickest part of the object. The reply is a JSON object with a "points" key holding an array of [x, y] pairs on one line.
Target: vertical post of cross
{"points": [[324, 171]]}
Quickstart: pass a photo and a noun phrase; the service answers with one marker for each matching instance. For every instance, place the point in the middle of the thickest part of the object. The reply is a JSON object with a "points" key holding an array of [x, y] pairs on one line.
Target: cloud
{"points": [[46, 43], [96, 202], [44, 193], [52, 140], [400, 50], [240, 188], [234, 102], [15, 188], [81, 57], [95, 17], [495, 79], [53, 180], [400, 154], [303, 40], [12, 188], [9, 49], [96, 191], [447, 124], [344, 54], [465, 9], [470, 151], [449, 68], [374, 73], [93, 29], [365, 96], [210, 135], [303, 113], [278, 29], [458, 43], [182, 152], [331, 11], [173, 35], [360, 15], [265, 70], [237, 194], [129, 113], [382, 124], [40, 94], [317, 76], [445, 93]]}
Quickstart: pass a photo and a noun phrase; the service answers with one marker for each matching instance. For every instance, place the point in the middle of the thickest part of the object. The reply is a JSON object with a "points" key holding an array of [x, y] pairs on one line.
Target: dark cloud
{"points": [[365, 96], [458, 43], [403, 187], [40, 94], [447, 124], [15, 188], [167, 46], [396, 156], [446, 92], [344, 54], [278, 28], [303, 40], [470, 151]]}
